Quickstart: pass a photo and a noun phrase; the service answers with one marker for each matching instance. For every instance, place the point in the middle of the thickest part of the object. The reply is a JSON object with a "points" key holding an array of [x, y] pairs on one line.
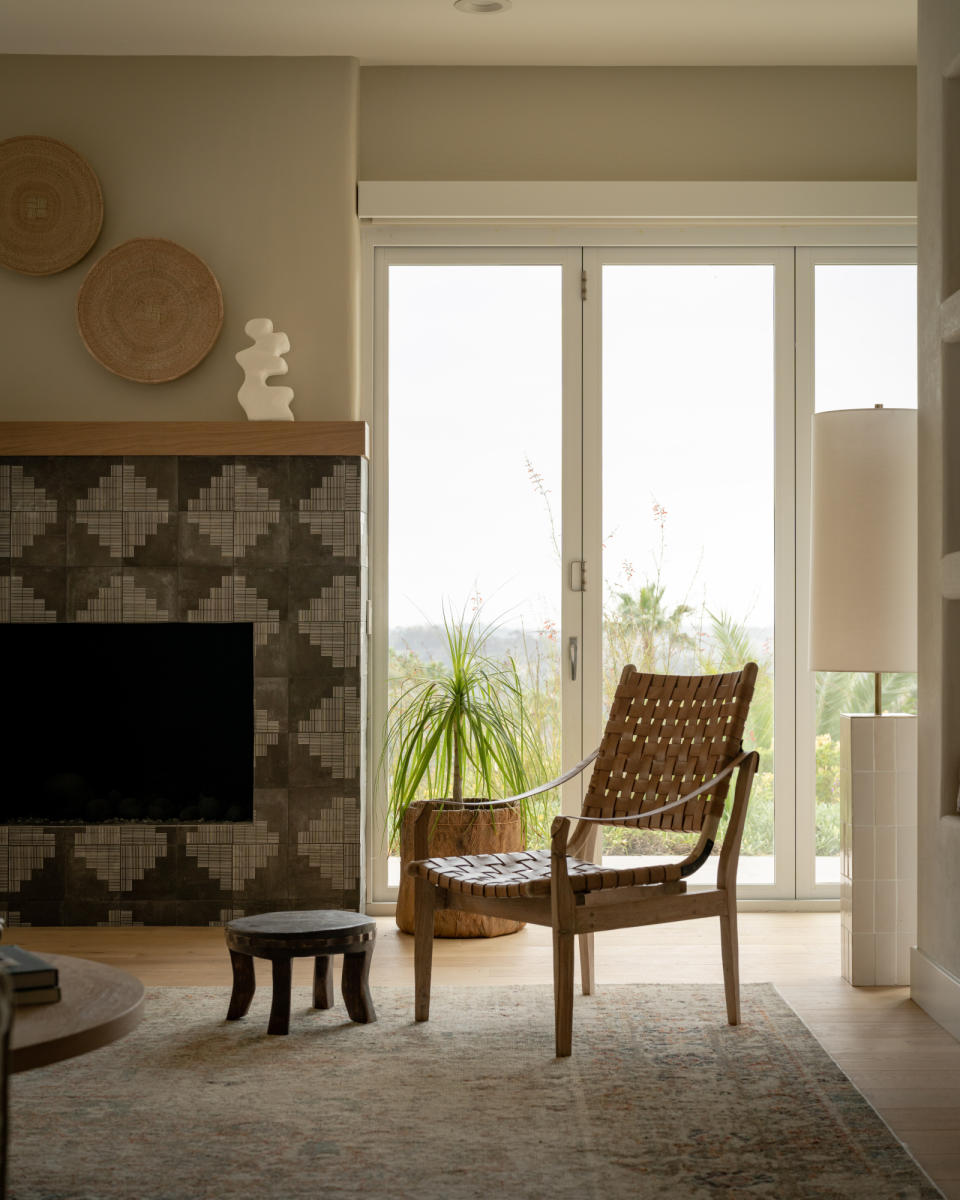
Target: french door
{"points": [[601, 452]]}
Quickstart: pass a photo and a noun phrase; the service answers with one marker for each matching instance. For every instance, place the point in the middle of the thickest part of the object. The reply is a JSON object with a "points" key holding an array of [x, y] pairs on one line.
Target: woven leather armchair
{"points": [[670, 748]]}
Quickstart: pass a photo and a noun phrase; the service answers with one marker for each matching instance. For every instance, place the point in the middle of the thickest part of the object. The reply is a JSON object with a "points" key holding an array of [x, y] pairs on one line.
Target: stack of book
{"points": [[34, 980]]}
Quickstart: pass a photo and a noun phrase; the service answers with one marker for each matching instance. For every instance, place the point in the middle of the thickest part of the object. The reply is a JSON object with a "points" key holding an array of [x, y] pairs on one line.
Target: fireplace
{"points": [[113, 723], [253, 530]]}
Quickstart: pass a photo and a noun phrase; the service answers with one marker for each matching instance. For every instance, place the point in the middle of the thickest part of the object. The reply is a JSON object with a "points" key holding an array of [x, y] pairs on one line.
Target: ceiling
{"points": [[432, 32]]}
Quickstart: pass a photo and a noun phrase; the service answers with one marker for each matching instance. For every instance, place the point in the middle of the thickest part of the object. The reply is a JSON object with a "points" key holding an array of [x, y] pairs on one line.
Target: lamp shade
{"points": [[863, 568]]}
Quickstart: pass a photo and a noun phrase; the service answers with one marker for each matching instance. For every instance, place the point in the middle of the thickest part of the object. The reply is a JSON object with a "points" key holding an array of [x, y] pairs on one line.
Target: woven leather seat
{"points": [[670, 750], [528, 874]]}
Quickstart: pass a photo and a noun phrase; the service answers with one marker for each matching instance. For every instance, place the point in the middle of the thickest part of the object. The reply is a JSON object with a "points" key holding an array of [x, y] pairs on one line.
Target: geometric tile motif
{"points": [[226, 914], [332, 733], [332, 511], [19, 606], [25, 511], [119, 918], [265, 732], [23, 850], [123, 511], [338, 823], [120, 854], [332, 621], [233, 511], [234, 601], [337, 861], [122, 600], [232, 854]]}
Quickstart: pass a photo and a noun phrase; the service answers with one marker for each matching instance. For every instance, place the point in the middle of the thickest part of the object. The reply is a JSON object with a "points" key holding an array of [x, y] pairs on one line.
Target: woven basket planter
{"points": [[455, 832]]}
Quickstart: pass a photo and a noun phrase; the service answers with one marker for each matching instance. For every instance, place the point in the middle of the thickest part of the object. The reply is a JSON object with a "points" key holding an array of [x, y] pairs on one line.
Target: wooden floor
{"points": [[906, 1064]]}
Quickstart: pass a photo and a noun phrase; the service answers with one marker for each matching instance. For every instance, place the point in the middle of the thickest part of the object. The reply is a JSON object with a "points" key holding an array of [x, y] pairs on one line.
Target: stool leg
{"points": [[323, 981], [244, 985], [356, 992], [280, 1006]]}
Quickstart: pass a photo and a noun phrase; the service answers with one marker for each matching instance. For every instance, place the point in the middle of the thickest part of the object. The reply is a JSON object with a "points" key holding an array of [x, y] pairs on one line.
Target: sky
{"points": [[687, 426]]}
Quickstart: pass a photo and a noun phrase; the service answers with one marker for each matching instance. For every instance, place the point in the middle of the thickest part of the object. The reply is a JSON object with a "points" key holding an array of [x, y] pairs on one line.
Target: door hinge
{"points": [[578, 576], [583, 285]]}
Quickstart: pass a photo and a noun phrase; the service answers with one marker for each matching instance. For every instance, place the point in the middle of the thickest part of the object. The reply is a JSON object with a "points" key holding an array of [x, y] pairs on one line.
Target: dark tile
{"points": [[323, 647], [160, 473], [206, 593], [94, 594], [79, 476], [20, 914], [270, 695], [333, 539], [261, 539], [262, 595], [270, 767], [149, 596], [263, 481], [34, 480], [202, 484], [270, 649], [215, 913], [95, 539], [118, 914], [205, 537], [38, 595], [204, 870], [270, 805], [35, 538], [269, 880], [335, 479], [149, 542]]}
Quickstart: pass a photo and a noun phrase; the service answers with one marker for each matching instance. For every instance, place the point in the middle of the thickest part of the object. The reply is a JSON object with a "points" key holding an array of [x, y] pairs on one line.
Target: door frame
{"points": [[833, 237]]}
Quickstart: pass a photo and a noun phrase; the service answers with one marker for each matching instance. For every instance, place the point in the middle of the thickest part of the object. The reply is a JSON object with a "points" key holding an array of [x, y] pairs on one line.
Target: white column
{"points": [[878, 814]]}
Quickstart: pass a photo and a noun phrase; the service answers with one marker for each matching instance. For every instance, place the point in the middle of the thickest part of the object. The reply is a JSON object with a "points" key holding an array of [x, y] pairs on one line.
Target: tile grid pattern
{"points": [[276, 542]]}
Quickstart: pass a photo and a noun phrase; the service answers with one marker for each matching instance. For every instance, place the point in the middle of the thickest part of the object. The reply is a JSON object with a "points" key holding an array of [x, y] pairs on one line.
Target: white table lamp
{"points": [[863, 617]]}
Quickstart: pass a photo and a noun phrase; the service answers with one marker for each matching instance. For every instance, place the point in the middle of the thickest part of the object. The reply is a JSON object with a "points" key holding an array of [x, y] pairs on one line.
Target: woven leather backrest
{"points": [[666, 735]]}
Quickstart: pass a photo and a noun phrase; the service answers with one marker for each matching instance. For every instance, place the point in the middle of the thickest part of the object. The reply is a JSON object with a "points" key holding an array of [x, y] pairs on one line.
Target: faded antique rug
{"points": [[661, 1098]]}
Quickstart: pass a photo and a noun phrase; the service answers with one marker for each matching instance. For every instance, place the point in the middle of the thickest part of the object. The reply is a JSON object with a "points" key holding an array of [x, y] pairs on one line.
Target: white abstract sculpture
{"points": [[259, 362]]}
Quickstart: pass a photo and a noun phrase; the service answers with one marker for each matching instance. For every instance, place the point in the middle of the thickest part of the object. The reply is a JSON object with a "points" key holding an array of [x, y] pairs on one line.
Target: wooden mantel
{"points": [[184, 437]]}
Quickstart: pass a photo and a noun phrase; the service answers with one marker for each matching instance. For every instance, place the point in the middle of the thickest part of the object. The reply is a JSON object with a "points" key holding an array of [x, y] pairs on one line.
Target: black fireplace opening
{"points": [[111, 723]]}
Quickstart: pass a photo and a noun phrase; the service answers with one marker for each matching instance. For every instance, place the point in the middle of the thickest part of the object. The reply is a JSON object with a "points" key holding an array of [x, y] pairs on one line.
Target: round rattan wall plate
{"points": [[150, 310], [51, 207]]}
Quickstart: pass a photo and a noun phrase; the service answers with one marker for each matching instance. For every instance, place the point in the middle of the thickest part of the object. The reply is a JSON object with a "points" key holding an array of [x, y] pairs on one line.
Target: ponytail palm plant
{"points": [[461, 728]]}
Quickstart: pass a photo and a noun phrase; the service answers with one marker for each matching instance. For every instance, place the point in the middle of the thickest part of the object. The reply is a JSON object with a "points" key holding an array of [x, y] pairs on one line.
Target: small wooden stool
{"points": [[283, 936]]}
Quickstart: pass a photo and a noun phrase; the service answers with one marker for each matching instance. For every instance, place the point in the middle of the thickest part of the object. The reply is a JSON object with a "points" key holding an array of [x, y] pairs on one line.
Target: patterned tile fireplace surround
{"points": [[260, 522]]}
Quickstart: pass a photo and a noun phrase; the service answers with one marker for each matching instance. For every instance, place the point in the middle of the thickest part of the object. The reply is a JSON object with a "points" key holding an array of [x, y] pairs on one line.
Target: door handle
{"points": [[573, 650]]}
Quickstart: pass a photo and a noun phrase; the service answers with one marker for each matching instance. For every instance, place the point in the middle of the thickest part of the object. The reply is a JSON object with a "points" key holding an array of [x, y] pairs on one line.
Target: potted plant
{"points": [[458, 725]]}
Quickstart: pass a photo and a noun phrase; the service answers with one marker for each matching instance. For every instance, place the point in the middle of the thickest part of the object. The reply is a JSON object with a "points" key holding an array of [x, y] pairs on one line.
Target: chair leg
{"points": [[425, 902], [563, 991], [729, 950], [588, 974]]}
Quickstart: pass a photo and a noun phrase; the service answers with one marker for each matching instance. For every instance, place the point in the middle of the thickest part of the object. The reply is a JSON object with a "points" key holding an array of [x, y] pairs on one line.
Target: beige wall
{"points": [[250, 163], [938, 916], [637, 123]]}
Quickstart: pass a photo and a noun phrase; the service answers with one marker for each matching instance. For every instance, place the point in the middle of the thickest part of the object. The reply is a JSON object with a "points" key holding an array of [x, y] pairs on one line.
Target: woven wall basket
{"points": [[150, 310], [51, 207]]}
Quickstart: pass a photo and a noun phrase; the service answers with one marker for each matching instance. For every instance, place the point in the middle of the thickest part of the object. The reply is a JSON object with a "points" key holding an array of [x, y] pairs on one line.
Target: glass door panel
{"points": [[688, 384], [476, 515], [865, 353]]}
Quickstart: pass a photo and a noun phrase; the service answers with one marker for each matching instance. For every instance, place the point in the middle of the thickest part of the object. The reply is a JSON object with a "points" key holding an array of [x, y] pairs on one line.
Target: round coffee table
{"points": [[99, 1005], [283, 936]]}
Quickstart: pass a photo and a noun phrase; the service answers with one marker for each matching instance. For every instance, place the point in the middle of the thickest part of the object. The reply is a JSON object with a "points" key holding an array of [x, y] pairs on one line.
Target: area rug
{"points": [[660, 1098]]}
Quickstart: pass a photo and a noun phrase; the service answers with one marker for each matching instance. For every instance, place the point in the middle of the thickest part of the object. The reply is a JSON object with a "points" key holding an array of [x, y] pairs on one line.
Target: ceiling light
{"points": [[482, 6]]}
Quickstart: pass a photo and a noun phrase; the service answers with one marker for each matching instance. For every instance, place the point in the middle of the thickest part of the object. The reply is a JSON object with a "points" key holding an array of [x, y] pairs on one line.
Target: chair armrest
{"points": [[653, 812], [543, 787]]}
